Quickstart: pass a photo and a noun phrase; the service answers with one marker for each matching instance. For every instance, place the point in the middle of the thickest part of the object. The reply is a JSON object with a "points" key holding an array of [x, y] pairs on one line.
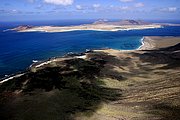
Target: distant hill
{"points": [[22, 27], [123, 22]]}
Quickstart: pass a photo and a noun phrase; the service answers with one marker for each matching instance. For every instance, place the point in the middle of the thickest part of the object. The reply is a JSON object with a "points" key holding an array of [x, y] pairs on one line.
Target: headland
{"points": [[102, 84]]}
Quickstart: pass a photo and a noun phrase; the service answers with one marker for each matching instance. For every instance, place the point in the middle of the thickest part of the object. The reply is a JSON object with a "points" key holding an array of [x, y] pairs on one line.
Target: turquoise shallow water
{"points": [[17, 50]]}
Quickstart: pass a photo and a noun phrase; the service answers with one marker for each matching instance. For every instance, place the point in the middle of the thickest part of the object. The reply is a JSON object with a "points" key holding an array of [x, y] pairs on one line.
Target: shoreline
{"points": [[157, 42], [142, 43], [12, 77], [148, 43], [38, 65]]}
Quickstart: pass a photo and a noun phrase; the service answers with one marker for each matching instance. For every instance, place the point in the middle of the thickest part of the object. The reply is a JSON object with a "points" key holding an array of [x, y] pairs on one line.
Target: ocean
{"points": [[17, 50]]}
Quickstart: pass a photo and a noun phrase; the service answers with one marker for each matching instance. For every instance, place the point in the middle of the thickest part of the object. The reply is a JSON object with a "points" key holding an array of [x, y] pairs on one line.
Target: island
{"points": [[102, 84], [100, 25]]}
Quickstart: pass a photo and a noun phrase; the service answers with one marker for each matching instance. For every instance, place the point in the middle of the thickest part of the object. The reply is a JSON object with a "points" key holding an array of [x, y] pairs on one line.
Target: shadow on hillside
{"points": [[166, 111], [57, 93], [111, 62], [169, 56]]}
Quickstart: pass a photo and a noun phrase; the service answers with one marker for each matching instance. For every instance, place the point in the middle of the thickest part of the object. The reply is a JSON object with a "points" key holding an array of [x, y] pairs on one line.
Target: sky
{"points": [[28, 10]]}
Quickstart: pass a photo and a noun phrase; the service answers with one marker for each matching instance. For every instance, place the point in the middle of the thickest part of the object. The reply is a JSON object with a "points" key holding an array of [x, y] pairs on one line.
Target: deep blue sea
{"points": [[17, 50]]}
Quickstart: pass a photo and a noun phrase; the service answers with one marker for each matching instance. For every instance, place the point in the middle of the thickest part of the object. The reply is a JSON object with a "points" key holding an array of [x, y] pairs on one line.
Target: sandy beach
{"points": [[155, 42]]}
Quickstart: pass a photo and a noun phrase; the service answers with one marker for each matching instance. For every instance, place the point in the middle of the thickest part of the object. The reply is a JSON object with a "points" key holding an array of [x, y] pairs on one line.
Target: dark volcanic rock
{"points": [[23, 27], [130, 22], [123, 22]]}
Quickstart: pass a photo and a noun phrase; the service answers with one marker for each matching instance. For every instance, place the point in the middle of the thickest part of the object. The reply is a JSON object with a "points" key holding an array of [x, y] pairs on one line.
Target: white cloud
{"points": [[79, 7], [31, 1], [111, 6], [126, 0], [172, 9], [96, 5], [139, 5], [125, 8], [14, 11], [169, 9], [39, 6], [60, 2]]}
